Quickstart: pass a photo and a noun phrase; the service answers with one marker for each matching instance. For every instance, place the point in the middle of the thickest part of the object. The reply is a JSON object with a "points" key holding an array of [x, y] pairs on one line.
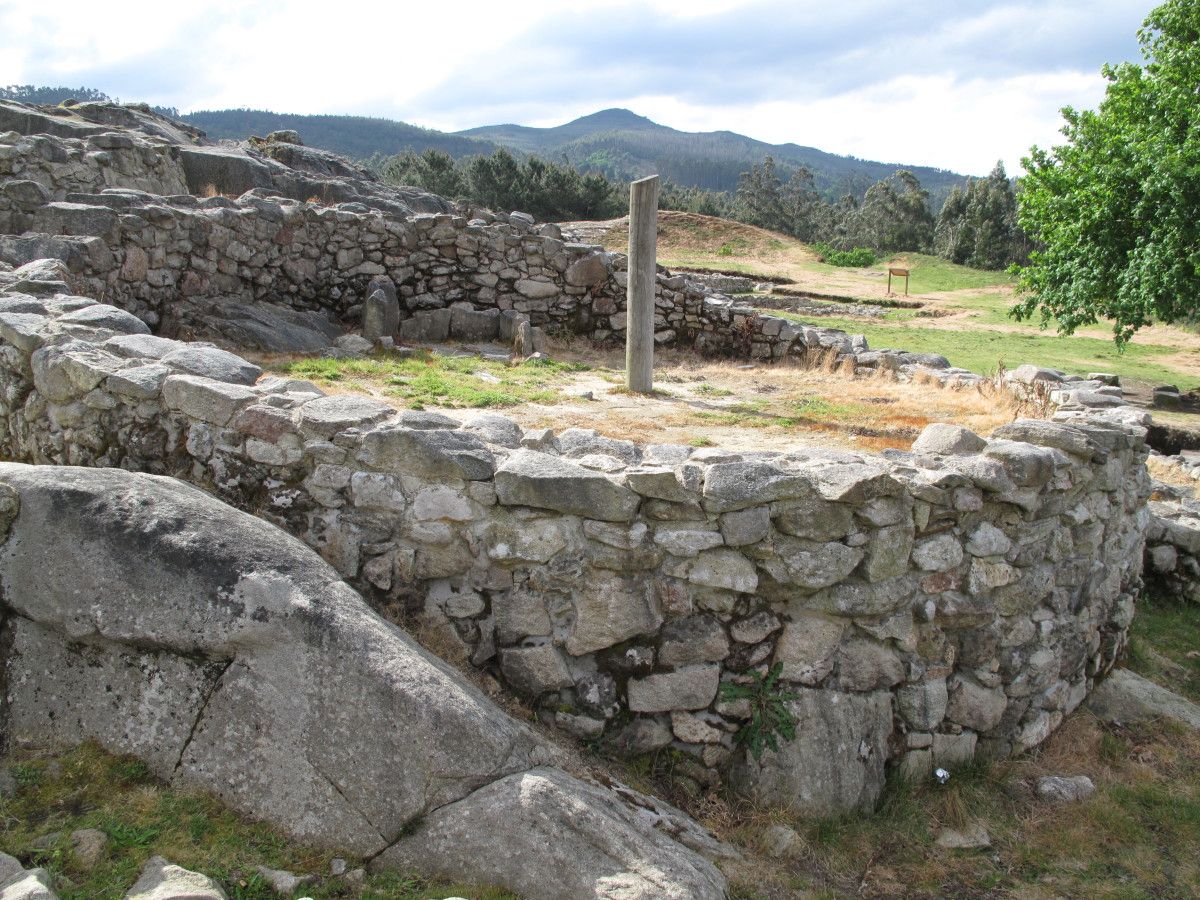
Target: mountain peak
{"points": [[615, 119]]}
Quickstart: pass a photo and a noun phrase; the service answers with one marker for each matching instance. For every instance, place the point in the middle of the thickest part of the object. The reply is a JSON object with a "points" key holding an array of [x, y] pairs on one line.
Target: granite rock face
{"points": [[244, 665]]}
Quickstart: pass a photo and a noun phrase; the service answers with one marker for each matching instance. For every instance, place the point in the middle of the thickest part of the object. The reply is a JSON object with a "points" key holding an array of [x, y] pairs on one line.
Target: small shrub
{"points": [[770, 719], [859, 257]]}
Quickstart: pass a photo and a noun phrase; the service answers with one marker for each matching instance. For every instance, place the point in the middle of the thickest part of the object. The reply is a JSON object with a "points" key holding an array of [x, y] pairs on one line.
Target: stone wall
{"points": [[188, 265], [925, 607]]}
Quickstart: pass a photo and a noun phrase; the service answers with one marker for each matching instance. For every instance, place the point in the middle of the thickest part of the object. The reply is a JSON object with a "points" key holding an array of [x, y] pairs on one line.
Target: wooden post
{"points": [[639, 298]]}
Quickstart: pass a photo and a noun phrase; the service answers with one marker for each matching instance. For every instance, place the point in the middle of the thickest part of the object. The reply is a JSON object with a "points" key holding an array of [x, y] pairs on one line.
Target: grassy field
{"points": [[697, 401], [429, 380], [970, 326], [984, 351]]}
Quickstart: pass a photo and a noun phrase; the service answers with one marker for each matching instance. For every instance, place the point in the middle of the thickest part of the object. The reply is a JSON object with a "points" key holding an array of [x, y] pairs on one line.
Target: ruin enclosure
{"points": [[924, 608]]}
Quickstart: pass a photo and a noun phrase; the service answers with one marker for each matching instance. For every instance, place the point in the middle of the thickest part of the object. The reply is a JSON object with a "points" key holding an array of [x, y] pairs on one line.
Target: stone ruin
{"points": [[927, 608]]}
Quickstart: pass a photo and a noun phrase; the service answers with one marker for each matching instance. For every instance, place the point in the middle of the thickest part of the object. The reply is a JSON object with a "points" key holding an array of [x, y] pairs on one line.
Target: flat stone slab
{"points": [[530, 478], [1125, 697]]}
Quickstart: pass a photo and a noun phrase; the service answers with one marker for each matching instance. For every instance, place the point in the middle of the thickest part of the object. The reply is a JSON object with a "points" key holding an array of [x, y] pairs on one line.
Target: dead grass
{"points": [[1169, 473], [696, 401]]}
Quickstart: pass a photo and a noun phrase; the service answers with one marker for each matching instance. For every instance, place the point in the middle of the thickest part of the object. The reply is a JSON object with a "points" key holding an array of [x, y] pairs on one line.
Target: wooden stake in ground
{"points": [[639, 298]]}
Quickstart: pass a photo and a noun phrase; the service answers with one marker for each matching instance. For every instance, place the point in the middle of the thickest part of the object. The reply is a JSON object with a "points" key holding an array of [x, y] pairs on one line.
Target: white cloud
{"points": [[880, 79]]}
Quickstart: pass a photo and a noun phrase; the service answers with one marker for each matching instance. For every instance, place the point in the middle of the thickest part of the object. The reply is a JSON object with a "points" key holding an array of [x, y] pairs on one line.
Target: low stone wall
{"points": [[925, 607], [217, 268], [1173, 549]]}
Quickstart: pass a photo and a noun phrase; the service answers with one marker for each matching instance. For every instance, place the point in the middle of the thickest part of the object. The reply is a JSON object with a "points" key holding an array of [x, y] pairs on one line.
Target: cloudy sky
{"points": [[957, 85]]}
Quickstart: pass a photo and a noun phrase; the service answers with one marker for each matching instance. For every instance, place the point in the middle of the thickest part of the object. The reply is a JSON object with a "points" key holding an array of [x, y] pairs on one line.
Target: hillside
{"points": [[615, 142], [354, 136], [622, 144]]}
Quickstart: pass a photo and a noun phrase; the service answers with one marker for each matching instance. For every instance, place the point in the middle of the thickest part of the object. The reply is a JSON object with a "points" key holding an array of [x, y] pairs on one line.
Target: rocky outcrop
{"points": [[142, 613], [963, 597]]}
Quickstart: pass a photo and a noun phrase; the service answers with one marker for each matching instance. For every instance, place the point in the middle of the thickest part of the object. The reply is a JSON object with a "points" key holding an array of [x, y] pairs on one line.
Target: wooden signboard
{"points": [[898, 272]]}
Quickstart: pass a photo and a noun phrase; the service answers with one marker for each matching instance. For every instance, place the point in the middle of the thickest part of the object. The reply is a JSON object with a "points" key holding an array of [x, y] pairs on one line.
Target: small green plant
{"points": [[770, 719], [26, 775], [859, 257]]}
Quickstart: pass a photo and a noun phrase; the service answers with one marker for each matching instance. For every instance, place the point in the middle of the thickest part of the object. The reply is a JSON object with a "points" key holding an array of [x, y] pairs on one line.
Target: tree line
{"points": [[547, 190], [976, 226]]}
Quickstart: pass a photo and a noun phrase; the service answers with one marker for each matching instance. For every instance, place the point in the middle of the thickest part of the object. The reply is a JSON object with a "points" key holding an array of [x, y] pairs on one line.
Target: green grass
{"points": [[1163, 634], [430, 380], [142, 817], [983, 350]]}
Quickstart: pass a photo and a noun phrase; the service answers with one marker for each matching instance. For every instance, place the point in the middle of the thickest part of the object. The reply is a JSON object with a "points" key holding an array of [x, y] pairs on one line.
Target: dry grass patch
{"points": [[696, 401]]}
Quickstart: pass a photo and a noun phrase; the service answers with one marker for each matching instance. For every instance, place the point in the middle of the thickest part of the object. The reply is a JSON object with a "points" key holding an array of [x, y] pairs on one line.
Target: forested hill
{"points": [[615, 142], [354, 136], [622, 144]]}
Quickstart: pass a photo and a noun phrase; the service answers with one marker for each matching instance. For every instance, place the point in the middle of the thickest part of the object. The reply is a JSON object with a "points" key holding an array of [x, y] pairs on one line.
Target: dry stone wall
{"points": [[216, 267], [925, 607]]}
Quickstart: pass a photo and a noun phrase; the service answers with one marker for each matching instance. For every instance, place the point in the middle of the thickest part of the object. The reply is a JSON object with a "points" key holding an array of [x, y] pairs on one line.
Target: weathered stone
{"points": [[971, 837], [138, 382], [439, 455], [867, 665], [988, 540], [533, 671], [692, 687], [161, 880], [808, 648], [326, 416], [530, 478], [686, 541], [698, 639], [888, 552], [985, 575], [1125, 697], [210, 362], [284, 884], [662, 484], [923, 705], [1065, 789], [755, 628], [975, 706], [33, 884], [520, 613], [381, 315], [587, 271], [737, 485], [746, 526], [593, 843], [810, 565], [943, 438], [611, 608], [938, 554], [835, 766], [205, 399], [724, 569], [954, 750], [284, 652]]}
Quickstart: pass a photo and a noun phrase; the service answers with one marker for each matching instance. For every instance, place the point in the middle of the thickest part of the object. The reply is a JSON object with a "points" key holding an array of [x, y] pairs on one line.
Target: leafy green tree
{"points": [[1117, 208]]}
